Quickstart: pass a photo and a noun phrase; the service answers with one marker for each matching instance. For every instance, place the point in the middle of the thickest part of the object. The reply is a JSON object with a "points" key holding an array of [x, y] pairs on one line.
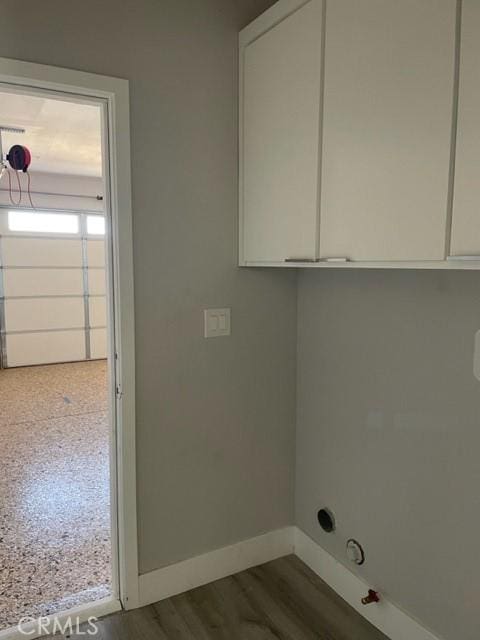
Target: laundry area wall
{"points": [[52, 271]]}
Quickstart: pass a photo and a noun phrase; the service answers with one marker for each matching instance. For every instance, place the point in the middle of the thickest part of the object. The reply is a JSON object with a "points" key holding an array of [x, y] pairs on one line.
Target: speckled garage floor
{"points": [[54, 489]]}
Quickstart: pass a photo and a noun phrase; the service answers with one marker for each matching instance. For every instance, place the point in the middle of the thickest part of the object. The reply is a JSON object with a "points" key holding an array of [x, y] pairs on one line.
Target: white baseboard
{"points": [[182, 576], [195, 572], [388, 618]]}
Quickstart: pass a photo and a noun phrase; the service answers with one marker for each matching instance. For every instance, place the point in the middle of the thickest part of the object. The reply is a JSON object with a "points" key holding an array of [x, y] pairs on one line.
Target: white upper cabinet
{"points": [[347, 134], [387, 122], [280, 109], [466, 202]]}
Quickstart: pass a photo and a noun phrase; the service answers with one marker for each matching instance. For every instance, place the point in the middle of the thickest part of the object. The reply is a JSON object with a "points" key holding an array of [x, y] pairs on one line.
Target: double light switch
{"points": [[217, 322]]}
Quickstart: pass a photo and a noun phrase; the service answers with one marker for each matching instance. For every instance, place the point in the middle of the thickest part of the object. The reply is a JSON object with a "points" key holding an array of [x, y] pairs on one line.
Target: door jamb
{"points": [[113, 93]]}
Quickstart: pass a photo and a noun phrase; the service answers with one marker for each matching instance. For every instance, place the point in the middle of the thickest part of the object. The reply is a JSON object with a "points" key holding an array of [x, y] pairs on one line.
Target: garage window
{"points": [[95, 225], [38, 222]]}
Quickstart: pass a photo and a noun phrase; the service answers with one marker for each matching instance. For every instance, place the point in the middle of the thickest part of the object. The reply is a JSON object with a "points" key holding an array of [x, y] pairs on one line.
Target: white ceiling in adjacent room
{"points": [[63, 137]]}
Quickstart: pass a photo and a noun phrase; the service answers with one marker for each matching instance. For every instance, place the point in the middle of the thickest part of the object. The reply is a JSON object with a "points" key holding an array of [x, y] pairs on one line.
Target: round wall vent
{"points": [[326, 520]]}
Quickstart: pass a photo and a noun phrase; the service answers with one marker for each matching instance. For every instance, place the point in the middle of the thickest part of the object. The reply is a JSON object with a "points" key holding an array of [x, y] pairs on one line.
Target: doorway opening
{"points": [[58, 502]]}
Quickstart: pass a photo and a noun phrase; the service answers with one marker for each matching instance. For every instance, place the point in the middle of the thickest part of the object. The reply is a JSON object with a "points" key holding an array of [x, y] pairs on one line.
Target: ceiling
{"points": [[63, 137]]}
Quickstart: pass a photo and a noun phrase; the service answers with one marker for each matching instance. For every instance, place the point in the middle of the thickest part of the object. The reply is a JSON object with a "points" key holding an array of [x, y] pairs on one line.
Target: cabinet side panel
{"points": [[466, 201]]}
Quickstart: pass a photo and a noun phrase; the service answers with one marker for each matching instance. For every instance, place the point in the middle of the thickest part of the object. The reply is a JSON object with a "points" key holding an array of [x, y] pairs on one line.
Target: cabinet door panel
{"points": [[389, 76], [466, 202], [280, 138]]}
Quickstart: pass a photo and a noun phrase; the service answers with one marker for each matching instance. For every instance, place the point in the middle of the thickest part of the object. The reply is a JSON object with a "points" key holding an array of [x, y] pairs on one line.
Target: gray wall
{"points": [[389, 433], [388, 409], [215, 425]]}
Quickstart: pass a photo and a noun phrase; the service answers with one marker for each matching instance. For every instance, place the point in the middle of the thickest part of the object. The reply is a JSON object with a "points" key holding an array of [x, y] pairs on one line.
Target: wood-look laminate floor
{"points": [[280, 600]]}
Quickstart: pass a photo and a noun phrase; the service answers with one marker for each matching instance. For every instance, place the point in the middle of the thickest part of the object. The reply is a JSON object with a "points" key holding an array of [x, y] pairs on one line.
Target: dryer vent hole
{"points": [[326, 520]]}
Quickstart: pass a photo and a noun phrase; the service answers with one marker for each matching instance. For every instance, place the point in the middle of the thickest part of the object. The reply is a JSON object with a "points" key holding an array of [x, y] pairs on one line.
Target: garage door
{"points": [[52, 288]]}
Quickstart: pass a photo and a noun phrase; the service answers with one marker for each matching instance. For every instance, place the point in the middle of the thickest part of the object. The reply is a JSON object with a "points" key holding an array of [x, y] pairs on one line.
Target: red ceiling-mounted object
{"points": [[19, 158]]}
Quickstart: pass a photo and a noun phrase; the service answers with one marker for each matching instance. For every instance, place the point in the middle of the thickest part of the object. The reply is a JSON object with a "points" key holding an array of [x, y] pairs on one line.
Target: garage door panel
{"points": [[41, 348], [41, 252], [98, 343], [43, 282], [96, 282], [44, 313], [98, 312], [96, 253]]}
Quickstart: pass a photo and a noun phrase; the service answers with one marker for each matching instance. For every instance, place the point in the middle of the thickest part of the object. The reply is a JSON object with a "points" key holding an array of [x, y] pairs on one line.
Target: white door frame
{"points": [[112, 94]]}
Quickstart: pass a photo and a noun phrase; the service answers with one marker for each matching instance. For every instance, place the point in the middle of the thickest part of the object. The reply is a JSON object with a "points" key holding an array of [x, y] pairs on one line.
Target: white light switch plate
{"points": [[217, 322]]}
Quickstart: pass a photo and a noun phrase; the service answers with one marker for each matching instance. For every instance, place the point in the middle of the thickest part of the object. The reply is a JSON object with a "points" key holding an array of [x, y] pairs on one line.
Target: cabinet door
{"points": [[466, 202], [279, 139], [389, 77]]}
